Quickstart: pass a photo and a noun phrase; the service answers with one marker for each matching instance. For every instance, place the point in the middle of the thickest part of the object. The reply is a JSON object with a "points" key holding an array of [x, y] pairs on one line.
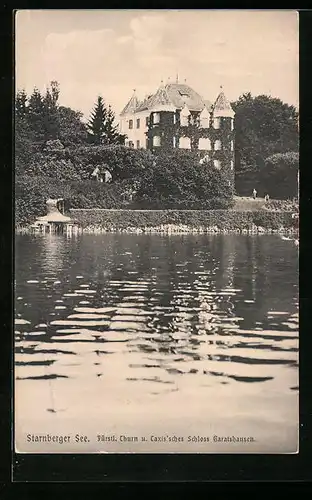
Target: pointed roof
{"points": [[222, 106], [144, 104], [170, 96], [185, 110], [53, 215], [161, 99], [132, 105], [181, 94]]}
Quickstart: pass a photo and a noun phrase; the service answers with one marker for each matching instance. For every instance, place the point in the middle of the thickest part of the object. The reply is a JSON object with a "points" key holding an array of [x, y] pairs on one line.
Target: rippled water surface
{"points": [[154, 329]]}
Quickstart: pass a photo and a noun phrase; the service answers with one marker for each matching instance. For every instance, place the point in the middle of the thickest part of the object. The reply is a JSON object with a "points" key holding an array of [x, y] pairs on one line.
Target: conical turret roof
{"points": [[132, 105], [222, 107]]}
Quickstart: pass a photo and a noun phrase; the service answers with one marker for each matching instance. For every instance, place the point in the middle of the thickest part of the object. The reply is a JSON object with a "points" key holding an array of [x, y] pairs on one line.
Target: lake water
{"points": [[152, 343]]}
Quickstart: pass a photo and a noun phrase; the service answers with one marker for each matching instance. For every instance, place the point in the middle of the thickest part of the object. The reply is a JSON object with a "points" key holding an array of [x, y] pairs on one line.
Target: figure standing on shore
{"points": [[254, 194], [266, 198]]}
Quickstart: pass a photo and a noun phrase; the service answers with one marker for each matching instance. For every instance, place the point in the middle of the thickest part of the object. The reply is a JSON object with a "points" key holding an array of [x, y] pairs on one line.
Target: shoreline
{"points": [[169, 229], [100, 221]]}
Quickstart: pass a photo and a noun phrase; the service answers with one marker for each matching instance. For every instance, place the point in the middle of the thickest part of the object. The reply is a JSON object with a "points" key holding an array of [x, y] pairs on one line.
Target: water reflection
{"points": [[178, 310]]}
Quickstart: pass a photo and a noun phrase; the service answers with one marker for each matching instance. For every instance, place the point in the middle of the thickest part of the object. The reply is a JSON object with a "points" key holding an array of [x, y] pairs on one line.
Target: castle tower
{"points": [[223, 136], [162, 118], [127, 119]]}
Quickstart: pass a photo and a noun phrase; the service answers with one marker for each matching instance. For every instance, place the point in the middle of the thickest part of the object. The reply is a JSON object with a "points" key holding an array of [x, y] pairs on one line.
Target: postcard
{"points": [[156, 231]]}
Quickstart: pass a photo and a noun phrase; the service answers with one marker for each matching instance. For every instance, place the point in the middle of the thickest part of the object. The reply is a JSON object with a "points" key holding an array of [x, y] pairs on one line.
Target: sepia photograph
{"points": [[156, 282]]}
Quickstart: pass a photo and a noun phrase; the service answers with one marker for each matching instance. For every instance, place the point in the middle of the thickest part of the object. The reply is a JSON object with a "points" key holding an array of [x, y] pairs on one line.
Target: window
{"points": [[156, 118], [204, 143], [138, 123], [130, 124], [232, 146], [216, 122], [217, 145], [146, 145], [147, 121], [183, 94], [232, 124], [138, 144], [185, 143], [156, 140], [174, 119], [232, 165], [174, 142], [217, 164]]}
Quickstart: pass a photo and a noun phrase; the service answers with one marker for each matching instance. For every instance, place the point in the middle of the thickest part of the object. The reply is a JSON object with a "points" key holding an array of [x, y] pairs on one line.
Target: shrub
{"points": [[143, 219], [177, 180], [122, 162], [280, 175]]}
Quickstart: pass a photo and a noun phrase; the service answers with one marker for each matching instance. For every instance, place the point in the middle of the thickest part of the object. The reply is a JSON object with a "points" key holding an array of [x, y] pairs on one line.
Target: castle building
{"points": [[178, 117]]}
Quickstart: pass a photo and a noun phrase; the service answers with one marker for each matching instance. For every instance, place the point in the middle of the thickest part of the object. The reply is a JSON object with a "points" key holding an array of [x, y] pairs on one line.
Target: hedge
{"points": [[220, 220], [31, 193]]}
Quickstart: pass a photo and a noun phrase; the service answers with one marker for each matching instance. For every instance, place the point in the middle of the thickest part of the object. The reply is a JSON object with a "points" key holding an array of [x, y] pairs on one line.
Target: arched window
{"points": [[185, 143], [156, 140], [156, 118], [216, 123], [204, 143], [217, 164], [217, 145], [232, 145]]}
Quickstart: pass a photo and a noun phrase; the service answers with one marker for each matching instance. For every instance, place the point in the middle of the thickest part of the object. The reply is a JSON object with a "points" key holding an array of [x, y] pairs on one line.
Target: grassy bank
{"points": [[97, 220]]}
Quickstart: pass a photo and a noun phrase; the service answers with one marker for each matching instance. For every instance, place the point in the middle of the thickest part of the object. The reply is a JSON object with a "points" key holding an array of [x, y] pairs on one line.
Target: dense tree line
{"points": [[57, 149]]}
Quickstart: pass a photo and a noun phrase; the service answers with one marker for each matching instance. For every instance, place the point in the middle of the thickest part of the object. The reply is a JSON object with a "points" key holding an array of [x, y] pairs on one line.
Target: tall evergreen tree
{"points": [[51, 115], [101, 125], [23, 132], [36, 115], [112, 134], [97, 122], [21, 104]]}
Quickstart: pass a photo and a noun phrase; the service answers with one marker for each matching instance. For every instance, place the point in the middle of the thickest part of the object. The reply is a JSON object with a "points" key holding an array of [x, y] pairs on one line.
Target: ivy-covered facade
{"points": [[177, 117]]}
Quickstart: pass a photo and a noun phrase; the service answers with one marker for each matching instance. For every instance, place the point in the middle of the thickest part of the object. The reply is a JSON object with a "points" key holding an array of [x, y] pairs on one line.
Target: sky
{"points": [[112, 52]]}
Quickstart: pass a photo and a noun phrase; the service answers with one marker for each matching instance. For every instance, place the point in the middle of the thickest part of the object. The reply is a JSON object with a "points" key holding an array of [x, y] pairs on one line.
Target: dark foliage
{"points": [[264, 126]]}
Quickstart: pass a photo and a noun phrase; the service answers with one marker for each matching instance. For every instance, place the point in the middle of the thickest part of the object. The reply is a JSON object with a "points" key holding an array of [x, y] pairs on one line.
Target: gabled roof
{"points": [[172, 96], [132, 105], [143, 105], [222, 106], [180, 94], [161, 99]]}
